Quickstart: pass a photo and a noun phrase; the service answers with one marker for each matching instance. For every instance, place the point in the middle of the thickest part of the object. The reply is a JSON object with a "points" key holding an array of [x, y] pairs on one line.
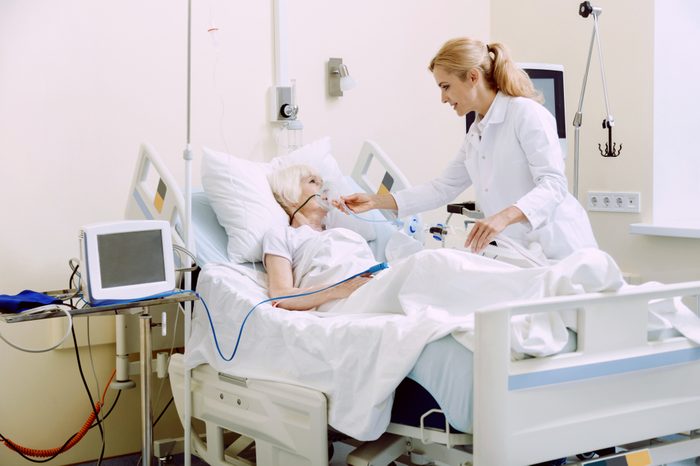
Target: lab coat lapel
{"points": [[493, 118]]}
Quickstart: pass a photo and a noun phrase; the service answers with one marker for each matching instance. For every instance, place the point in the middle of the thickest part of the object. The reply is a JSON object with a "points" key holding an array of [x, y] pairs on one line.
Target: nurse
{"points": [[511, 155]]}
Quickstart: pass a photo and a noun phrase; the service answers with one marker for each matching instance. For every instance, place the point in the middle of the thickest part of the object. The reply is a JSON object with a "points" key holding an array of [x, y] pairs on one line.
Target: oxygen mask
{"points": [[326, 195]]}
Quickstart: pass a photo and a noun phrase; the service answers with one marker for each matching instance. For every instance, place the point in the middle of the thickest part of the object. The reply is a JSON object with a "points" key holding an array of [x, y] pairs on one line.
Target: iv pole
{"points": [[189, 243], [585, 10]]}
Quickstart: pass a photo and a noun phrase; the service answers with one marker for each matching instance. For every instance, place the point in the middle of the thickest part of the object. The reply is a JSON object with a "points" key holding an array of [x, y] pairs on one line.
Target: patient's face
{"points": [[310, 185]]}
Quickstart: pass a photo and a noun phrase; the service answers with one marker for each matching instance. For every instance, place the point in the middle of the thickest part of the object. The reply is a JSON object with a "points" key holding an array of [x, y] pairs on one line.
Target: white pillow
{"points": [[240, 195], [242, 201], [316, 154]]}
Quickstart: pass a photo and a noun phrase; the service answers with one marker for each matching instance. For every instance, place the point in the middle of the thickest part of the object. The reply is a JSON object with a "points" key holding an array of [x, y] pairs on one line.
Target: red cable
{"points": [[74, 440], [54, 451]]}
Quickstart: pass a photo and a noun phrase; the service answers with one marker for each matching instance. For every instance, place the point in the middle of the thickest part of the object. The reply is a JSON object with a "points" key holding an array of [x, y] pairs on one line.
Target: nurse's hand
{"points": [[362, 202], [358, 202], [485, 230]]}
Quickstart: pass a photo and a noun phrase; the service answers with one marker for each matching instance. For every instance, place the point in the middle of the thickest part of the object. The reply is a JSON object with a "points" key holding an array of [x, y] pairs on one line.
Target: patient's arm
{"points": [[280, 282]]}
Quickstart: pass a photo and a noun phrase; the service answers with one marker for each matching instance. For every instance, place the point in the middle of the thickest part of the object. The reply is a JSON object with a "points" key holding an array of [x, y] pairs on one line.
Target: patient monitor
{"points": [[126, 260]]}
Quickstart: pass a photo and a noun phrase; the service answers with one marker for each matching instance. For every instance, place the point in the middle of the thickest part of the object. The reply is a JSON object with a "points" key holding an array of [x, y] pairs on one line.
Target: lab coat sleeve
{"points": [[536, 131], [438, 192]]}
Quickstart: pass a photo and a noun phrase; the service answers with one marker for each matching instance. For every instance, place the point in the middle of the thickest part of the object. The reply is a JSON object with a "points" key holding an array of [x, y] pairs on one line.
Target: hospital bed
{"points": [[620, 387]]}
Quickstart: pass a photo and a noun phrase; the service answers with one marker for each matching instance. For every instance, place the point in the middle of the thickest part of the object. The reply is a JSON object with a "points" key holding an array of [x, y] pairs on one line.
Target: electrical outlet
{"points": [[605, 201]]}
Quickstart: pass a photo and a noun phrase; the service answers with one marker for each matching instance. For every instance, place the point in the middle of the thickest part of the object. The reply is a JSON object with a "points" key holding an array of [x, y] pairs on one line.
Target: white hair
{"points": [[286, 185]]}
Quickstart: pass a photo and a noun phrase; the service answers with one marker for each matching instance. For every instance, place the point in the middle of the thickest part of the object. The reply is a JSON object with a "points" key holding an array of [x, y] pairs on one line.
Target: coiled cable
{"points": [[51, 453], [50, 307]]}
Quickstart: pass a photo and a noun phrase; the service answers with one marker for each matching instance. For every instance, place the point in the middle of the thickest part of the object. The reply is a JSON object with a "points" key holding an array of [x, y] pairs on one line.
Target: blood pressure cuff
{"points": [[27, 299]]}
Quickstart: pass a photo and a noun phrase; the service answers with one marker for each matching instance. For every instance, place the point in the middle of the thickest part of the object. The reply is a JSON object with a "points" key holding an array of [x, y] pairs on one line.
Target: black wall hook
{"points": [[610, 146]]}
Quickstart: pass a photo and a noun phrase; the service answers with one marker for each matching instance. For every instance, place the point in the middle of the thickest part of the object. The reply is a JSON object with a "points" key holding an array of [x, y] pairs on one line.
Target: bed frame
{"points": [[618, 389]]}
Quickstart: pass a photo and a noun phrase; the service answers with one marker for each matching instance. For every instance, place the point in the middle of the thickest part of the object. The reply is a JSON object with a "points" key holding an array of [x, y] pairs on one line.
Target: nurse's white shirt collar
{"points": [[495, 114]]}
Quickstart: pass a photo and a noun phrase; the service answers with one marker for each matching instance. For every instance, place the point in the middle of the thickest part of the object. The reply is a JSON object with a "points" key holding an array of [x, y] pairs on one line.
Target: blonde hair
{"points": [[286, 185], [459, 56]]}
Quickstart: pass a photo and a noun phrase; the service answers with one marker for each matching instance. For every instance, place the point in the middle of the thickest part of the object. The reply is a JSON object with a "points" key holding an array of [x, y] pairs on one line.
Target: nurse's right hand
{"points": [[358, 202], [362, 202]]}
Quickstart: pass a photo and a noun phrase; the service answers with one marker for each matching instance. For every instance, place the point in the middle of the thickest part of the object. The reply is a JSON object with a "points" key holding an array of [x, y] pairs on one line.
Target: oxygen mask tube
{"points": [[328, 195]]}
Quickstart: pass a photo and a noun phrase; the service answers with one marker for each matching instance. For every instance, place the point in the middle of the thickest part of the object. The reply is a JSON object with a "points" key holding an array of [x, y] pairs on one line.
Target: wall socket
{"points": [[603, 201]]}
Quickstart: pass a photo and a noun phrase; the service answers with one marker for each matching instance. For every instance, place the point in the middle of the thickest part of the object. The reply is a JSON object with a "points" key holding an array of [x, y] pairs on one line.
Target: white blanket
{"points": [[361, 349]]}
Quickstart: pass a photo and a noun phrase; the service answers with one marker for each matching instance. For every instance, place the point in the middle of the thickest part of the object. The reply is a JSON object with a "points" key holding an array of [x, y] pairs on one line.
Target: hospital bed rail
{"points": [[288, 423], [617, 388]]}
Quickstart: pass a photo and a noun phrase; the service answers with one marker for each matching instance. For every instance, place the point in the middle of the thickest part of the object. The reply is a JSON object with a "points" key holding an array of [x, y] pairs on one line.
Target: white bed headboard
{"points": [[380, 177], [154, 193]]}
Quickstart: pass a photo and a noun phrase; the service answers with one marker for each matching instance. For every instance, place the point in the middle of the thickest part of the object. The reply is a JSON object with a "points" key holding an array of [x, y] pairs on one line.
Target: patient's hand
{"points": [[347, 288]]}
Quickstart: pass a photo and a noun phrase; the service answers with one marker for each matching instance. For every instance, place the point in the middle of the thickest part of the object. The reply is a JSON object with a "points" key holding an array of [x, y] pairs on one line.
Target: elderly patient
{"points": [[289, 255], [298, 256], [432, 285]]}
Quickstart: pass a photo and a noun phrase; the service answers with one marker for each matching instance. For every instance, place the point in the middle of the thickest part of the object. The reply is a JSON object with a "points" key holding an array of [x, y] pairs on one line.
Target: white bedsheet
{"points": [[359, 351]]}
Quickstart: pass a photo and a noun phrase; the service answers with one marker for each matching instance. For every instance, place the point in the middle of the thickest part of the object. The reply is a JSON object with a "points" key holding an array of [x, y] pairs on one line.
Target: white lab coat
{"points": [[512, 156]]}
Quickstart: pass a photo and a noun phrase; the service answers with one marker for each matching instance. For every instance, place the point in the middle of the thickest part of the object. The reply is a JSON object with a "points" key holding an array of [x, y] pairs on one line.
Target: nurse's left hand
{"points": [[485, 230]]}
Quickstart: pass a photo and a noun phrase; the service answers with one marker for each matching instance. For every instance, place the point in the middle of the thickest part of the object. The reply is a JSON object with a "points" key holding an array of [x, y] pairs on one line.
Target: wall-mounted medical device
{"points": [[126, 260], [283, 105]]}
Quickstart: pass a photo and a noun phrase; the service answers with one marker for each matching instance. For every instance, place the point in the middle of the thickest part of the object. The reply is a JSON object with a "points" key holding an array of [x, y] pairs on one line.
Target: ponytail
{"points": [[458, 56], [508, 77]]}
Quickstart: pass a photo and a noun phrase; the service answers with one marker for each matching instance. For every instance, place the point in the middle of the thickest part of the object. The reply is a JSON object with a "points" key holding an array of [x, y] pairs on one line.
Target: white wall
{"points": [[83, 83], [676, 153]]}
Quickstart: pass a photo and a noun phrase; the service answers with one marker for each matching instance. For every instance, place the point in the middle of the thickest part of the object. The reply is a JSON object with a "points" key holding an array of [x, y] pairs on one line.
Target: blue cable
{"points": [[370, 271]]}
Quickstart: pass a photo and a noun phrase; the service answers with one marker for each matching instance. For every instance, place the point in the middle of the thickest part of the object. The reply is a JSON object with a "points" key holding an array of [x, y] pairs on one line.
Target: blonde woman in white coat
{"points": [[511, 155]]}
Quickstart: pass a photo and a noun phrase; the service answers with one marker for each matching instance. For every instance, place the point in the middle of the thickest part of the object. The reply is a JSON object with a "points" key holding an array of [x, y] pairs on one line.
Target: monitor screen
{"points": [[546, 87], [126, 260], [550, 82], [131, 258]]}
